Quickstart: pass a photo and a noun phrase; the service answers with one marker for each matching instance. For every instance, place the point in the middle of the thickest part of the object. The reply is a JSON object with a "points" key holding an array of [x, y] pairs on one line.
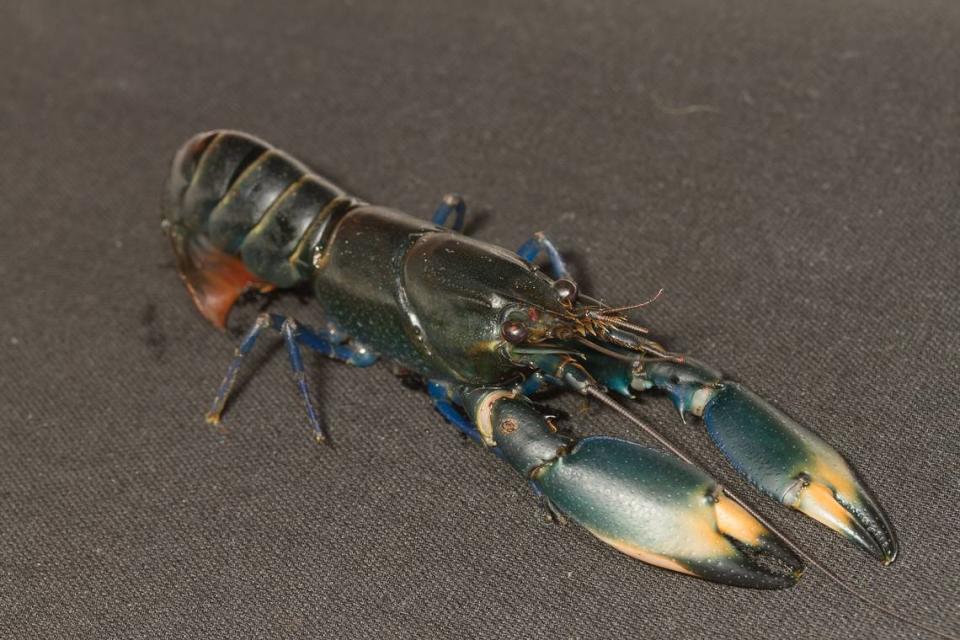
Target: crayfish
{"points": [[486, 329]]}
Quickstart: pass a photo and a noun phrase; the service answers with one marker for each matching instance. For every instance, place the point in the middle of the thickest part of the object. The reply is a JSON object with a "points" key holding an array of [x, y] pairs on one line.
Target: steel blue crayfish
{"points": [[486, 329]]}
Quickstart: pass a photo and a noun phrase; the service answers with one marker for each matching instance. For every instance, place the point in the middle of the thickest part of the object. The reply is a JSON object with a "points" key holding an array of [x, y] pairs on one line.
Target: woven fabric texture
{"points": [[789, 173]]}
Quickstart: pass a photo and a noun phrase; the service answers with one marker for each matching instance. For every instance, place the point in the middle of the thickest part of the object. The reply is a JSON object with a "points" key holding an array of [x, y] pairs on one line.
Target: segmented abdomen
{"points": [[241, 213]]}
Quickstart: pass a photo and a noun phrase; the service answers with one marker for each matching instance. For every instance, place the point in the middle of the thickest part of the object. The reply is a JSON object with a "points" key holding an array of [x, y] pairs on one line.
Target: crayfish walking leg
{"points": [[333, 345], [452, 203], [540, 243]]}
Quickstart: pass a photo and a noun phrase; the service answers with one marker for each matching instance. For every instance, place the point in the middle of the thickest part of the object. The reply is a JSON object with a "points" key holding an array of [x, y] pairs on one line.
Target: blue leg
{"points": [[451, 203], [443, 405], [354, 353], [262, 322], [536, 382], [294, 335], [452, 414], [289, 330], [539, 243]]}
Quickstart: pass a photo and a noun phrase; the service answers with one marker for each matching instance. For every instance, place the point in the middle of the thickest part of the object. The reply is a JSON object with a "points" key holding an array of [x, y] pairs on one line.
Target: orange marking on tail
{"points": [[214, 279]]}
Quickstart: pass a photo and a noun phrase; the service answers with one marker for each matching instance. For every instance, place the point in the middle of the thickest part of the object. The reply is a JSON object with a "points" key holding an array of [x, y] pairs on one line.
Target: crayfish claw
{"points": [[780, 457], [659, 509], [644, 502], [796, 467]]}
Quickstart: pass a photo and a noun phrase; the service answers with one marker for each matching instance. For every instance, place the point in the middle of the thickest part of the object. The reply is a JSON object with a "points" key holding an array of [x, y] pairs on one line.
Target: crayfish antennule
{"points": [[620, 322]]}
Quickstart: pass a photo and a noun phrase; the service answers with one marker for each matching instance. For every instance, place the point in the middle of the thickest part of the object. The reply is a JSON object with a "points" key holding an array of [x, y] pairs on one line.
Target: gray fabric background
{"points": [[788, 172]]}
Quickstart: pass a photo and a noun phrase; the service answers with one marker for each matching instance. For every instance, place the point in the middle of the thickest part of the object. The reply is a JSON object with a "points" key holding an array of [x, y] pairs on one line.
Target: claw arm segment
{"points": [[510, 423]]}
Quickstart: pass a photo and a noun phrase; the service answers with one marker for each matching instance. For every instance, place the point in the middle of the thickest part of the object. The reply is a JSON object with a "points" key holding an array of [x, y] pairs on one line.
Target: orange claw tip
{"points": [[851, 513]]}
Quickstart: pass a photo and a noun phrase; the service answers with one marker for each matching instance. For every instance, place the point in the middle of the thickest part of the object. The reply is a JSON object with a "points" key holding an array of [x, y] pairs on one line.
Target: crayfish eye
{"points": [[514, 332], [566, 290]]}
